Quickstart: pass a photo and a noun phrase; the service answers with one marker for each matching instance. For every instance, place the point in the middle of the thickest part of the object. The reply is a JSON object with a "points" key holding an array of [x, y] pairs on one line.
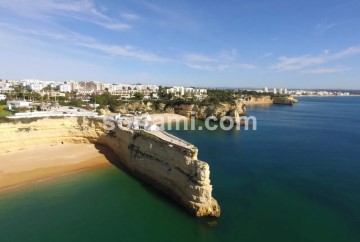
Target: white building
{"points": [[178, 91], [65, 88], [274, 91], [2, 97], [88, 87], [266, 89], [34, 84], [128, 91], [68, 86], [5, 87], [186, 91], [37, 87], [18, 104]]}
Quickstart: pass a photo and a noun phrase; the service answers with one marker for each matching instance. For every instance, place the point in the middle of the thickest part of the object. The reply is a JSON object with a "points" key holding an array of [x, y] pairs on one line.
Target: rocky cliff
{"points": [[165, 164], [203, 111], [285, 100], [200, 111], [262, 100]]}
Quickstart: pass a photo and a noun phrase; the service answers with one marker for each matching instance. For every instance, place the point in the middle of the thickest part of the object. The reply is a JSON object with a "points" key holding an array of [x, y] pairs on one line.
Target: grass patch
{"points": [[3, 112]]}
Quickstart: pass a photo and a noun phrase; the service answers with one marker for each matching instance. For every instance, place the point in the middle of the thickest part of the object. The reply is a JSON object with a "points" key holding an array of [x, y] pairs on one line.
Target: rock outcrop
{"points": [[200, 111], [262, 100], [172, 168], [136, 106], [285, 100], [217, 110]]}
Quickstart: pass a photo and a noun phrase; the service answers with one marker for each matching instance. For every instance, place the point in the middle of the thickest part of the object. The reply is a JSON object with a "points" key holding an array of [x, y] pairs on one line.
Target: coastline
{"points": [[154, 158], [24, 167]]}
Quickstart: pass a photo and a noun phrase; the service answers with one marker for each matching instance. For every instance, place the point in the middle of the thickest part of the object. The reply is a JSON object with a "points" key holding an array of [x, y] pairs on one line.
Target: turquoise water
{"points": [[297, 178]]}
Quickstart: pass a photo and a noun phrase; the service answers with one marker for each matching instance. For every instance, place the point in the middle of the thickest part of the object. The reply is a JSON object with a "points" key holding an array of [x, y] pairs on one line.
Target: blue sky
{"points": [[232, 43]]}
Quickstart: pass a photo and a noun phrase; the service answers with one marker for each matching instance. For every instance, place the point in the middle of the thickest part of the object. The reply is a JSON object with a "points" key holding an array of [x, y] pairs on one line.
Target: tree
{"points": [[161, 92], [48, 89], [138, 96], [169, 96], [36, 96]]}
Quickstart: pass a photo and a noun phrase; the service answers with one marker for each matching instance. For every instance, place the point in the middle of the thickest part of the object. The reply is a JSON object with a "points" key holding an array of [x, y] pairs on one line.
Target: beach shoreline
{"points": [[25, 167]]}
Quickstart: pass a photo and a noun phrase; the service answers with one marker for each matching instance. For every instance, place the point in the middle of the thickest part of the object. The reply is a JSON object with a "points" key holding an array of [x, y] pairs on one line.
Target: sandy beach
{"points": [[27, 166]]}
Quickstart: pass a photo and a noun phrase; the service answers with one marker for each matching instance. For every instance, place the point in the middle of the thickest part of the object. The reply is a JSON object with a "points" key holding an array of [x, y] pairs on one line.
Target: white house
{"points": [[18, 104], [2, 97]]}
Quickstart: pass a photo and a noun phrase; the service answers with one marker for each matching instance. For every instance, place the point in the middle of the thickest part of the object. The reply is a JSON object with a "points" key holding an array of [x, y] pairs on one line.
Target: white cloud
{"points": [[200, 67], [326, 70], [246, 66], [266, 55], [229, 55], [75, 39], [197, 57], [44, 10], [129, 16], [323, 27], [118, 26], [159, 9], [223, 61], [326, 26], [299, 63], [126, 51], [204, 67]]}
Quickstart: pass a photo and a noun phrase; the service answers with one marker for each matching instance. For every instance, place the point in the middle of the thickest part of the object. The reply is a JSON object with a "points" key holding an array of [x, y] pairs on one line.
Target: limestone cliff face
{"points": [[169, 167], [135, 106], [263, 100], [200, 111], [218, 110]]}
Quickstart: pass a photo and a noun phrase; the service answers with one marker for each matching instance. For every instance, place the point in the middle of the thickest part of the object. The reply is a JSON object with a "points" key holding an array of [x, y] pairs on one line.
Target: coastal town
{"points": [[38, 98], [84, 88], [126, 91]]}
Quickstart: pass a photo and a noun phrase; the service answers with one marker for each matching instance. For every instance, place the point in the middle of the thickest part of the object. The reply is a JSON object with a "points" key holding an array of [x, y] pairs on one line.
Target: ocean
{"points": [[296, 178]]}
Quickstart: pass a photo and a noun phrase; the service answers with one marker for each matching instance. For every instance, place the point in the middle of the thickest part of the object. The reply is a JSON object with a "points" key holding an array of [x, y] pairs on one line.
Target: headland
{"points": [[164, 161]]}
